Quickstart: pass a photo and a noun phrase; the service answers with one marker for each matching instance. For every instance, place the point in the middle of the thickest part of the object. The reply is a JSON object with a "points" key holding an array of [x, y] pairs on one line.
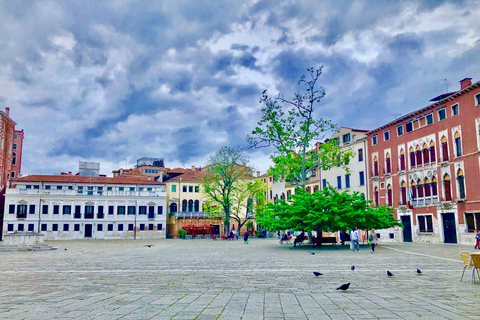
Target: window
{"points": [[400, 130], [432, 151], [347, 181], [31, 209], [159, 227], [477, 100], [149, 189], [174, 188], [142, 227], [374, 139], [109, 188], [184, 205], [14, 162], [45, 209], [131, 210], [337, 142], [160, 210], [442, 114], [339, 182], [34, 187], [409, 126], [197, 189], [390, 195], [425, 223], [458, 144], [473, 221], [47, 188], [461, 184], [388, 164], [375, 166], [444, 149], [120, 189], [99, 227], [429, 118], [412, 157], [28, 186], [360, 155], [386, 135], [132, 189], [190, 205], [10, 227], [31, 227], [184, 188], [402, 160], [76, 227], [65, 227], [376, 196], [89, 211], [110, 227], [14, 146], [447, 187], [121, 210], [455, 110], [20, 227], [403, 193], [190, 188], [324, 184], [67, 209], [111, 209], [11, 209], [120, 227], [346, 138], [55, 227], [44, 227], [362, 178], [142, 210], [56, 209]]}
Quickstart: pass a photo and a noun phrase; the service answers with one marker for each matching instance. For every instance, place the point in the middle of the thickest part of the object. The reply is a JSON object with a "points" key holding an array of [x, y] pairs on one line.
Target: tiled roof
{"points": [[82, 179], [191, 175]]}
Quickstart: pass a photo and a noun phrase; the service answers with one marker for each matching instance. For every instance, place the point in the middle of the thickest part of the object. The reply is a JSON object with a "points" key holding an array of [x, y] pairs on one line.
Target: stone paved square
{"points": [[206, 279]]}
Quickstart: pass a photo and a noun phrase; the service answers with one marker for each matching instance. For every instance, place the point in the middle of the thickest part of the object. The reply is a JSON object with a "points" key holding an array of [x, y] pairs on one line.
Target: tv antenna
{"points": [[446, 84]]}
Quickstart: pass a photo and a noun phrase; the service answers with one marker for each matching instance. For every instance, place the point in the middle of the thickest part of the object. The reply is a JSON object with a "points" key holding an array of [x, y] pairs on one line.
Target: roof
{"points": [[433, 105], [353, 129], [190, 175], [83, 179]]}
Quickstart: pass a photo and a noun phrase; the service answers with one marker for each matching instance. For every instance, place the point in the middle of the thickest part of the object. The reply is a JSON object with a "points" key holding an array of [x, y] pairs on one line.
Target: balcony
{"points": [[21, 215], [89, 216], [151, 216], [77, 215], [100, 216], [100, 193], [193, 214]]}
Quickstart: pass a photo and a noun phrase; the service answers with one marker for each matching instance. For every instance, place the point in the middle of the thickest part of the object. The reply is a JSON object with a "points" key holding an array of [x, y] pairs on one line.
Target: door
{"points": [[449, 229], [88, 231], [216, 229], [407, 229]]}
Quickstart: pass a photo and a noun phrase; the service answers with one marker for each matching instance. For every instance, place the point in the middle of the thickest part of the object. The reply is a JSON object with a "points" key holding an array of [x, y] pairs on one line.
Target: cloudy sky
{"points": [[113, 81]]}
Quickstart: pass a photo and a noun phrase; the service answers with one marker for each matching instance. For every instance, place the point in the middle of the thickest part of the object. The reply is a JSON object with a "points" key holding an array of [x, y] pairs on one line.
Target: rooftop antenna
{"points": [[446, 84]]}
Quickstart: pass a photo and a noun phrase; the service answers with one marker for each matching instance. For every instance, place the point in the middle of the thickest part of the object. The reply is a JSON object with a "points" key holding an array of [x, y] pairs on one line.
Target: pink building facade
{"points": [[426, 165]]}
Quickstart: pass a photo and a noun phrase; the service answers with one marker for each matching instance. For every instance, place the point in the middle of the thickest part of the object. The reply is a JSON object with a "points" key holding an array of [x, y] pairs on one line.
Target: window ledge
{"points": [[426, 233]]}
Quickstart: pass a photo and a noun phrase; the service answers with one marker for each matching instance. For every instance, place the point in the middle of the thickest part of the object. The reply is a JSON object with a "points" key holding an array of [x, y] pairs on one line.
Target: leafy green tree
{"points": [[230, 188], [326, 210], [292, 127]]}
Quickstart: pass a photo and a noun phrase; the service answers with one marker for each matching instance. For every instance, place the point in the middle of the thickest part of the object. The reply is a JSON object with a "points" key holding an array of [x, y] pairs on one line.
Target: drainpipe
{"points": [[366, 175], [39, 207]]}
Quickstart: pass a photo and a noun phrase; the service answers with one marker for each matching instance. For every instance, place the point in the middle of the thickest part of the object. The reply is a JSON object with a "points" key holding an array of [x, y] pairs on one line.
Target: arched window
{"points": [[390, 195], [375, 166], [412, 157], [282, 196], [190, 205], [402, 160], [461, 184], [425, 154], [434, 186], [447, 187], [288, 193], [387, 162], [14, 159], [419, 188], [197, 206], [444, 149], [249, 206], [419, 156], [458, 144], [414, 190], [376, 196], [404, 193], [432, 151], [426, 185], [173, 207], [184, 206]]}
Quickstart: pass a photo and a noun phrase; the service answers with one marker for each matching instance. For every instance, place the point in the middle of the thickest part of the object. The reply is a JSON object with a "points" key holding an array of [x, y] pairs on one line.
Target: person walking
{"points": [[477, 237], [245, 237], [354, 237], [235, 234], [373, 240]]}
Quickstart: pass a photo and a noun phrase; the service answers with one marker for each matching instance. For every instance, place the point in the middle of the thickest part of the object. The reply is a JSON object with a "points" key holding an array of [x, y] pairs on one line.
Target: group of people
{"points": [[234, 235], [355, 238]]}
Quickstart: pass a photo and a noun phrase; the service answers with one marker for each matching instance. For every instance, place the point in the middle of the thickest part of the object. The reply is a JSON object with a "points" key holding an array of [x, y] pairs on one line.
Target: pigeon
{"points": [[148, 245], [317, 273], [344, 286], [419, 271], [353, 268], [65, 248], [312, 253], [389, 274]]}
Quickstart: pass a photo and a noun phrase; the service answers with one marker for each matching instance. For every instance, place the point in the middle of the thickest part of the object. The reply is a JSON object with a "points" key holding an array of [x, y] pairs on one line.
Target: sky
{"points": [[114, 81]]}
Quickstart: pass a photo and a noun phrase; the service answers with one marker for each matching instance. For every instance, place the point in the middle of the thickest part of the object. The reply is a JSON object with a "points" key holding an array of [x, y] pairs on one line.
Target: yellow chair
{"points": [[476, 265], [466, 260]]}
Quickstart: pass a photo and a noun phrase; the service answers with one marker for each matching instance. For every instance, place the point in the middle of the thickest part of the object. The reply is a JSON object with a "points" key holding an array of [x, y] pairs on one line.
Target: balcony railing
{"points": [[193, 214], [77, 215], [101, 193], [151, 216], [424, 202], [100, 215], [89, 216], [21, 215]]}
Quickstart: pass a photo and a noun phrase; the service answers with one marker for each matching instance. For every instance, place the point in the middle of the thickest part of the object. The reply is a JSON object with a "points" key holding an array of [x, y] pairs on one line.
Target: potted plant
{"points": [[182, 233]]}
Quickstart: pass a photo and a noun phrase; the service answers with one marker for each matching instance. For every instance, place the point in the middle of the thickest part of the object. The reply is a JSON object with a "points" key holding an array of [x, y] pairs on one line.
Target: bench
{"points": [[289, 240]]}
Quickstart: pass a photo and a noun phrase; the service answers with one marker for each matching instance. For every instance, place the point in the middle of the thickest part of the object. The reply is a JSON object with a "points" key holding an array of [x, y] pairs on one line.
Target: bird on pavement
{"points": [[148, 245], [65, 248], [344, 286], [389, 274], [317, 273], [419, 271], [312, 253], [353, 268]]}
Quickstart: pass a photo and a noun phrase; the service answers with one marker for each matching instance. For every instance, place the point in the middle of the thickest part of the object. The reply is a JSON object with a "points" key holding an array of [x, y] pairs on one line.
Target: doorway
{"points": [[407, 229], [449, 229], [88, 230], [216, 230]]}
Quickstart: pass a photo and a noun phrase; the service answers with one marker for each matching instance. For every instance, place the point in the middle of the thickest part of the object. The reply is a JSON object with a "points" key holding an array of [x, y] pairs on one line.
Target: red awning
{"points": [[188, 227], [205, 226]]}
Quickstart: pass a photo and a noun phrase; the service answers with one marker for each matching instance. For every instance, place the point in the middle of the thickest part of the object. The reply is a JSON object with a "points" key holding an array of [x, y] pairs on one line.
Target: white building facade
{"points": [[64, 207]]}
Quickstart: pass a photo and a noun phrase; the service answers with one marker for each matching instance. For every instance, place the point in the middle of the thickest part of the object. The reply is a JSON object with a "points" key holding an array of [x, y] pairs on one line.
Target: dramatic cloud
{"points": [[113, 81]]}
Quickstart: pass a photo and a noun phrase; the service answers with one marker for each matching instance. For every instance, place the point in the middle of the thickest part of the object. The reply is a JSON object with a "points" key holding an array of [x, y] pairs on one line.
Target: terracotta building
{"points": [[426, 166]]}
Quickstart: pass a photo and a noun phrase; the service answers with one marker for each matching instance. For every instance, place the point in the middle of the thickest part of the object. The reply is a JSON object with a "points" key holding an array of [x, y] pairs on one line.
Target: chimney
{"points": [[258, 174], [467, 82], [7, 110], [193, 168]]}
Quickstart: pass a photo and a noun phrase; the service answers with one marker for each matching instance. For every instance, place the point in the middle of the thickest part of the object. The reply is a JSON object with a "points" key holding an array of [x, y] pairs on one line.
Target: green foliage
{"points": [[326, 210], [249, 224], [292, 127], [258, 233], [182, 233]]}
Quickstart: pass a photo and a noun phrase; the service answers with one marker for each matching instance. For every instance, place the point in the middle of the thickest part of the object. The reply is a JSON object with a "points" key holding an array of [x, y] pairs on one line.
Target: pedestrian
{"points": [[373, 240], [235, 234], [231, 235], [354, 237], [245, 237], [284, 237], [477, 237]]}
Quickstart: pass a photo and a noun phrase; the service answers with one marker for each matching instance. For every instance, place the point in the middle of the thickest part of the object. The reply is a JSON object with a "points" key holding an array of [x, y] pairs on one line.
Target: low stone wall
{"points": [[14, 239]]}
